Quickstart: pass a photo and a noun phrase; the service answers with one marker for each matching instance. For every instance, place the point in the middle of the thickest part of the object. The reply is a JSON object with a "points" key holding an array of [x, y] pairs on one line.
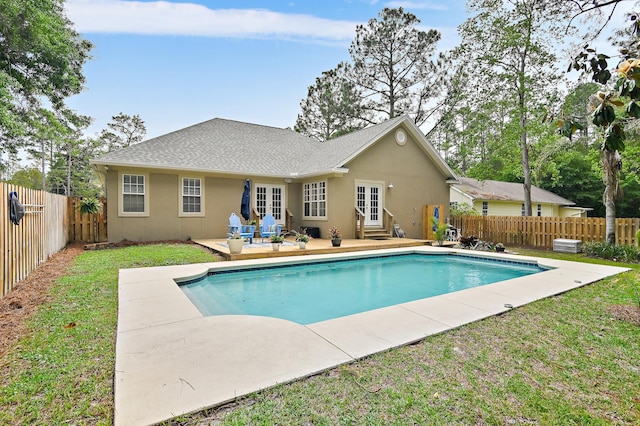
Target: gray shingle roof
{"points": [[227, 146], [507, 191]]}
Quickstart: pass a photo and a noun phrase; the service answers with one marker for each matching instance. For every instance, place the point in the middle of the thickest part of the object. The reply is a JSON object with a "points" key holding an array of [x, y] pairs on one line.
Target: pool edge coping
{"points": [[150, 303]]}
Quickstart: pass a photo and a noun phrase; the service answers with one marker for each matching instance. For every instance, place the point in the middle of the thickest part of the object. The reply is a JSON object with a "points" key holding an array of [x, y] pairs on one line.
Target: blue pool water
{"points": [[312, 292]]}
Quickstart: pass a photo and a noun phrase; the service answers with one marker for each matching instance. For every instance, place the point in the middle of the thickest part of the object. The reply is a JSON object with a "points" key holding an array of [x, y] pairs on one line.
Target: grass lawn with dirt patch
{"points": [[561, 360]]}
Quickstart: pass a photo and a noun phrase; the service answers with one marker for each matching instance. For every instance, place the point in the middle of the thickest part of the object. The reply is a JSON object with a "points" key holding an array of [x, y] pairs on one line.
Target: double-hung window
{"points": [[315, 200], [134, 200], [485, 208], [191, 196]]}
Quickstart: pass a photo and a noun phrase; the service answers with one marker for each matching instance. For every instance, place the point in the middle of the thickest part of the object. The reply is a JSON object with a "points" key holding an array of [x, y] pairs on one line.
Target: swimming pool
{"points": [[317, 291]]}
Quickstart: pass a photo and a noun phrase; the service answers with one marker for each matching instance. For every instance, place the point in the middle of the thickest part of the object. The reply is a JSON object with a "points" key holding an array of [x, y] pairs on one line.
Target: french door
{"points": [[369, 201], [270, 199]]}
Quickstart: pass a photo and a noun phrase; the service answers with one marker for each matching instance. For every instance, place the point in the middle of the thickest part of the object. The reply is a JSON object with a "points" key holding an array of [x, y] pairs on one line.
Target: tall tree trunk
{"points": [[524, 147], [527, 180], [610, 168], [43, 165], [68, 189]]}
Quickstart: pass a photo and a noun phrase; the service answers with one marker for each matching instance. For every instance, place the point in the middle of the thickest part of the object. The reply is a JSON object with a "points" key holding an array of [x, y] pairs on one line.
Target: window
{"points": [[134, 197], [522, 210], [315, 200], [539, 209], [191, 197], [485, 208]]}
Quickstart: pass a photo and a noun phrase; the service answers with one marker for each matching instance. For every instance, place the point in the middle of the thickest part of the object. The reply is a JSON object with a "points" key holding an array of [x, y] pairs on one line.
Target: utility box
{"points": [[567, 246], [312, 231]]}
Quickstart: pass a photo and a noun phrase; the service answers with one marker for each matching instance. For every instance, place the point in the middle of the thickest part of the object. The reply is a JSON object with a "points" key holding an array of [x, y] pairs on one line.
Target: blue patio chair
{"points": [[268, 227], [236, 226]]}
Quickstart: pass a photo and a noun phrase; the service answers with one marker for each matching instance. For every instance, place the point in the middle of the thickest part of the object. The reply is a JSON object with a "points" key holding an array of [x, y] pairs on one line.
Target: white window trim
{"points": [[326, 203], [121, 212], [181, 213]]}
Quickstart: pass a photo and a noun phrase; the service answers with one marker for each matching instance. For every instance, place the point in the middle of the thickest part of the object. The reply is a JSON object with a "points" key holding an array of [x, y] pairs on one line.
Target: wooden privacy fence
{"points": [[541, 231], [41, 233], [89, 228]]}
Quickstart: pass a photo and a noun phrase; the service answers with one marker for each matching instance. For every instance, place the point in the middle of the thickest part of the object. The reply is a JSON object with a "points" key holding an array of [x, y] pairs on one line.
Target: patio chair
{"points": [[453, 233], [236, 226], [268, 227]]}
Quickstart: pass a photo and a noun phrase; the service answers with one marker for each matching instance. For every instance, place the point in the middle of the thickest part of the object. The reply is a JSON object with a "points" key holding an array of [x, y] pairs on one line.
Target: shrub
{"points": [[462, 209], [616, 252], [90, 205]]}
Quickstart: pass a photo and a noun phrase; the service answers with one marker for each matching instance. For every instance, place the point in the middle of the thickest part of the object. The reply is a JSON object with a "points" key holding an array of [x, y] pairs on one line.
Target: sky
{"points": [[178, 63]]}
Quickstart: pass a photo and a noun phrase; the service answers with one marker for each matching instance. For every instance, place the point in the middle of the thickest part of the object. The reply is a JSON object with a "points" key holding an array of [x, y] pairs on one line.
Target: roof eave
{"points": [[334, 171]]}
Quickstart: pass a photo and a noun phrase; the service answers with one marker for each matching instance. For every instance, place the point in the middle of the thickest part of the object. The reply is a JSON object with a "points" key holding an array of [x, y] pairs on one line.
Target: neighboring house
{"points": [[185, 184], [495, 198]]}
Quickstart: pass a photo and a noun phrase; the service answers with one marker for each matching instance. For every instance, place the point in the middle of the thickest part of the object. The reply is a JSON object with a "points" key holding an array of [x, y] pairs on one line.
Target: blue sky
{"points": [[177, 63]]}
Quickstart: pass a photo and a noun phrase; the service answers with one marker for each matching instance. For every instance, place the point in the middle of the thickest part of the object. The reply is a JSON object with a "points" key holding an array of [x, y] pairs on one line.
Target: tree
{"points": [[123, 131], [508, 44], [614, 109], [41, 59], [331, 108], [70, 173], [392, 66], [45, 132], [27, 178]]}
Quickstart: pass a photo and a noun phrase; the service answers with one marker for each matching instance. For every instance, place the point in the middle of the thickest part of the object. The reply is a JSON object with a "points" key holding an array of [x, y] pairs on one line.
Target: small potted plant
{"points": [[276, 241], [302, 240], [499, 247], [235, 243], [334, 234]]}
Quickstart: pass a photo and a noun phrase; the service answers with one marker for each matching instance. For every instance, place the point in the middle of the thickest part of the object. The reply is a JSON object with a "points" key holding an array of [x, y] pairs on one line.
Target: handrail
{"points": [[387, 220], [359, 224], [288, 220], [255, 215]]}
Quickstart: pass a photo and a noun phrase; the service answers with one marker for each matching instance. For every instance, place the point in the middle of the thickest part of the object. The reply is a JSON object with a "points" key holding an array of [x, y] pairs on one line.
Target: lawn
{"points": [[562, 360]]}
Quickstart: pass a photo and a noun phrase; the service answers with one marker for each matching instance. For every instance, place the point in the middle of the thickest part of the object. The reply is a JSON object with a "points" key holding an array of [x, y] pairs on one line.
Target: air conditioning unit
{"points": [[567, 246]]}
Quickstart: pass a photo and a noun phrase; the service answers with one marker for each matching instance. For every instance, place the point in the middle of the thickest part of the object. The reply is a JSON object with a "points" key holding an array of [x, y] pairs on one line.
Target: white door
{"points": [[270, 199], [369, 201]]}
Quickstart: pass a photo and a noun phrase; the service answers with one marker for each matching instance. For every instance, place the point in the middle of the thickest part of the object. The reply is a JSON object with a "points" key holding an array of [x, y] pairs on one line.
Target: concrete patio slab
{"points": [[364, 334], [171, 360], [167, 370]]}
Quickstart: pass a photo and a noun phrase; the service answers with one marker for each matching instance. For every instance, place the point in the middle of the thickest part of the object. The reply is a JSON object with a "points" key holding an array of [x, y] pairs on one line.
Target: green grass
{"points": [[562, 360], [59, 375]]}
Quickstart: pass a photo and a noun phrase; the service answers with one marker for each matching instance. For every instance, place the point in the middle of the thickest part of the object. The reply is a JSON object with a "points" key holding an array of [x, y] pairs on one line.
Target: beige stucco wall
{"points": [[222, 196], [417, 182]]}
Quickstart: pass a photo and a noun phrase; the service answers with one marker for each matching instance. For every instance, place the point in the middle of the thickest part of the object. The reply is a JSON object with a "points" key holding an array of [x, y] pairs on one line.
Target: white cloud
{"points": [[190, 19], [416, 5]]}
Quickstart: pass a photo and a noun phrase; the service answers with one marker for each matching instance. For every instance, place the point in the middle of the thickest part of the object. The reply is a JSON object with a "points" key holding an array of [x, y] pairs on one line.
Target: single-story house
{"points": [[185, 184], [496, 198]]}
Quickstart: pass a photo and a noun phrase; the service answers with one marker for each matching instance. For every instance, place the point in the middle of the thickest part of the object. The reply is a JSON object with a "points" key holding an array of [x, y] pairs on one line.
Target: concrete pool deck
{"points": [[171, 360]]}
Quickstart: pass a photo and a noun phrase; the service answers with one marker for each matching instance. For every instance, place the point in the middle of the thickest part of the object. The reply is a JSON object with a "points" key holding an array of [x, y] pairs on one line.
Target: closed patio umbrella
{"points": [[436, 215], [245, 206]]}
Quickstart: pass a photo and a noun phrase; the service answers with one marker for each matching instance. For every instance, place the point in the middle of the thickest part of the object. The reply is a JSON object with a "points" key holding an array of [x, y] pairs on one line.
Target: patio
{"points": [[257, 250]]}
